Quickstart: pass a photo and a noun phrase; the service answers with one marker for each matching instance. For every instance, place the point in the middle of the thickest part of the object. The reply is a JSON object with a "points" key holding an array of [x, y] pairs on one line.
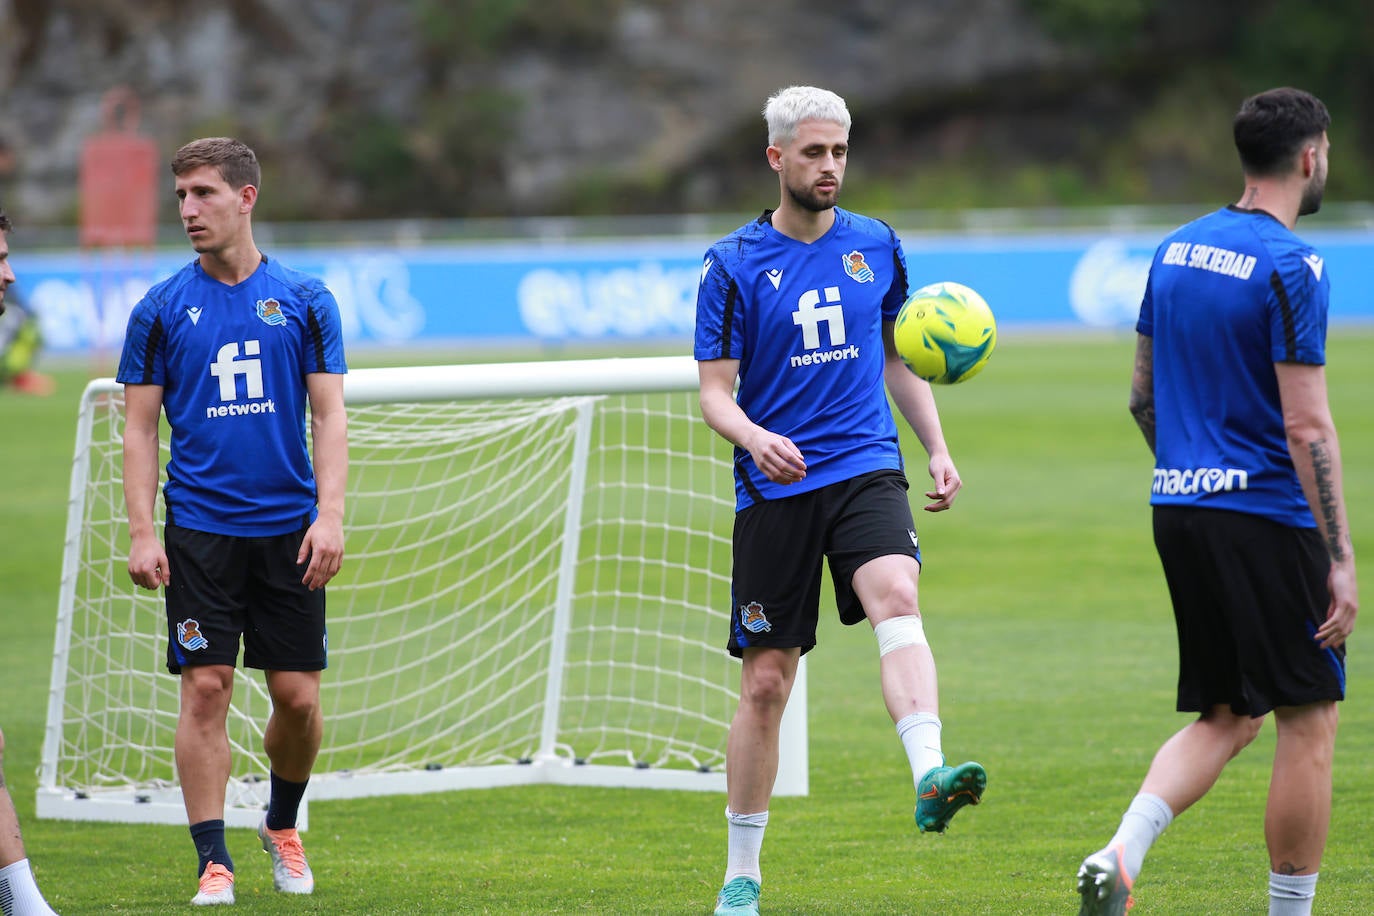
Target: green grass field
{"points": [[1047, 614]]}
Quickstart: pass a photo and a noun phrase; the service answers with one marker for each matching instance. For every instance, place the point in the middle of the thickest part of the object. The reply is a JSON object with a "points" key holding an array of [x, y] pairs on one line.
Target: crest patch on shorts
{"points": [[188, 634], [751, 617]]}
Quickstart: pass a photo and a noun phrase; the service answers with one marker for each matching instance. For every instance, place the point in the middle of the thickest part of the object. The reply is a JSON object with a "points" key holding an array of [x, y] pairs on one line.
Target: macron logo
{"points": [[774, 276], [1314, 261], [706, 269], [194, 312]]}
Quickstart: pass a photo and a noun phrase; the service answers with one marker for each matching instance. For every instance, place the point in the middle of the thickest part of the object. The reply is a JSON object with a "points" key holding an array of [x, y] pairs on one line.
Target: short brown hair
{"points": [[237, 164]]}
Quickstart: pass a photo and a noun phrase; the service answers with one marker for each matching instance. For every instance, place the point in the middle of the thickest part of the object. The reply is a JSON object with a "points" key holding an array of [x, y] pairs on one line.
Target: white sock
{"points": [[745, 841], [1141, 825], [1291, 895], [920, 734], [19, 894]]}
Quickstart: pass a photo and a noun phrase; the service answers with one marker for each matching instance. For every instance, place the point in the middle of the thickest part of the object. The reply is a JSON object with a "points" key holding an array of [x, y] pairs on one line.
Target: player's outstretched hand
{"points": [[323, 547], [148, 563], [947, 483]]}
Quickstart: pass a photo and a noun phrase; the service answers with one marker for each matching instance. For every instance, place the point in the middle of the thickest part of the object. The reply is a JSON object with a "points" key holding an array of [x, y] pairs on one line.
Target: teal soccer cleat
{"points": [[739, 897], [944, 790]]}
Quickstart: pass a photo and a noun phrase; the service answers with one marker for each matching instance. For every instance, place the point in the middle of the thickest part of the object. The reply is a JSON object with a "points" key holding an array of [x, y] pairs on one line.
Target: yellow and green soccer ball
{"points": [[945, 333]]}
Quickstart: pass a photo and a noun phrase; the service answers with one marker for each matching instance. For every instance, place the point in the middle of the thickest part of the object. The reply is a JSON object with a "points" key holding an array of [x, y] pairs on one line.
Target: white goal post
{"points": [[535, 590]]}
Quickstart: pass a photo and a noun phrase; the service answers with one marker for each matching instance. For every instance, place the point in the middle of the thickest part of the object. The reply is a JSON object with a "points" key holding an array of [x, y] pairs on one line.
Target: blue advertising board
{"points": [[630, 290]]}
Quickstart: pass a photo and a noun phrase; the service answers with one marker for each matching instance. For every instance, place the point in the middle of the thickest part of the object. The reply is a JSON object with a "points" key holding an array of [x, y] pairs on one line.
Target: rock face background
{"points": [[366, 109]]}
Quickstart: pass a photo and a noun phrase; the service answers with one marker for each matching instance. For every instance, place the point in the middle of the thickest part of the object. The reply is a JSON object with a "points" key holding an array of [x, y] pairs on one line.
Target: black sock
{"points": [[283, 803], [209, 839]]}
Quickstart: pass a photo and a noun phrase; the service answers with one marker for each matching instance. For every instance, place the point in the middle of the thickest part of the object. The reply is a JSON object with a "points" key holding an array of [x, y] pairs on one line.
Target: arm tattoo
{"points": [[1326, 496], [1144, 412], [1142, 391]]}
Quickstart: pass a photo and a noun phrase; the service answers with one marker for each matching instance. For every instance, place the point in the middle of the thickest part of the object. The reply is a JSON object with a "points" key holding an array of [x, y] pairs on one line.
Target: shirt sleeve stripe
{"points": [[150, 350], [316, 337], [728, 318], [1290, 334]]}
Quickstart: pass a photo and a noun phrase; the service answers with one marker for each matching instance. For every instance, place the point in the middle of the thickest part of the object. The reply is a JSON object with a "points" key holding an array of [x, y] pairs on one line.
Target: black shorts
{"points": [[1248, 595], [778, 548], [223, 587]]}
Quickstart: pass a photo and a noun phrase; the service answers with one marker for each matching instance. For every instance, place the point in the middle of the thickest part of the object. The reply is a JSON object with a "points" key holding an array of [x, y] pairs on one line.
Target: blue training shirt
{"points": [[805, 320], [1229, 295], [232, 362]]}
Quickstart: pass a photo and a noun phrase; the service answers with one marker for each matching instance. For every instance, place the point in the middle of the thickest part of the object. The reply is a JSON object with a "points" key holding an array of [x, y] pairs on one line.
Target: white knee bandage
{"points": [[899, 632]]}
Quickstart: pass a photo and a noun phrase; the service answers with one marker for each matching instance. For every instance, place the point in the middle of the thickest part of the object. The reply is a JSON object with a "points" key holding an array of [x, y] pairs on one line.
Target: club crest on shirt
{"points": [[857, 267], [269, 310], [752, 619], [188, 634]]}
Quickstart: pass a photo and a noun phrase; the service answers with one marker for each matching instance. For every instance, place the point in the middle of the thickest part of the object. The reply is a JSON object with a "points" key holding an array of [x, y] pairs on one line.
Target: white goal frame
{"points": [[159, 800]]}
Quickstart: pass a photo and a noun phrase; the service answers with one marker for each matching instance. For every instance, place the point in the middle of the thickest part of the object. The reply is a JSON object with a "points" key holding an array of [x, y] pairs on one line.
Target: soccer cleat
{"points": [[1104, 884], [216, 887], [739, 897], [944, 790], [290, 872]]}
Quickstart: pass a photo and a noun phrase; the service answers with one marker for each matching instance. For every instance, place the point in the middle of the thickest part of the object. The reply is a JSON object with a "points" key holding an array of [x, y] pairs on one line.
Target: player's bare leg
{"points": [[202, 743], [18, 890], [751, 767], [203, 765], [1298, 813], [292, 741], [296, 725], [887, 589], [1183, 770], [1189, 763]]}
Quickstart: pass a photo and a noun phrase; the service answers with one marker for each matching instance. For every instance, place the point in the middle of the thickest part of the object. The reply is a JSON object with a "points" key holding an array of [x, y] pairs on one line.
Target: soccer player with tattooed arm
{"points": [[1250, 523]]}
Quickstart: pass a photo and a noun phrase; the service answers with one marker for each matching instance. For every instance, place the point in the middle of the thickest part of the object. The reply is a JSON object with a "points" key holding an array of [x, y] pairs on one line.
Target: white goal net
{"points": [[535, 589]]}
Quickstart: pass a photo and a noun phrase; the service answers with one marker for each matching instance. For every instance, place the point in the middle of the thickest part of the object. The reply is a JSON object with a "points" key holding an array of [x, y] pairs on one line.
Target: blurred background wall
{"points": [[498, 108], [1034, 149]]}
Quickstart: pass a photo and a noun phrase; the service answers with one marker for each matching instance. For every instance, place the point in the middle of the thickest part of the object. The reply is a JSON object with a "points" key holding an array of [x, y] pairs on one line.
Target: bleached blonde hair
{"points": [[789, 107]]}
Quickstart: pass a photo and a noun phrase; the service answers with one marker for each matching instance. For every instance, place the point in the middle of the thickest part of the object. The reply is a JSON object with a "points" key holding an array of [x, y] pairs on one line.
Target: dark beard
{"points": [[1311, 199], [810, 200]]}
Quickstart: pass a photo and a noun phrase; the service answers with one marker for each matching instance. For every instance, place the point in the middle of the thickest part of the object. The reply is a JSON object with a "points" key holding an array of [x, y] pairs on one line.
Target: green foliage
{"points": [[444, 166], [374, 150], [1096, 24], [464, 148], [1045, 608], [1132, 107], [1325, 48], [489, 28]]}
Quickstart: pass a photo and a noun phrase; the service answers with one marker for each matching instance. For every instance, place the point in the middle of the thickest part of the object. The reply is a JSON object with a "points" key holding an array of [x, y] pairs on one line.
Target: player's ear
{"points": [[1309, 160], [248, 196], [774, 154]]}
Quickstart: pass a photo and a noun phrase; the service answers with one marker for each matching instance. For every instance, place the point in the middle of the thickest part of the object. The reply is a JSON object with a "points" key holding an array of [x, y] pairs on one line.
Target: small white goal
{"points": [[535, 590]]}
